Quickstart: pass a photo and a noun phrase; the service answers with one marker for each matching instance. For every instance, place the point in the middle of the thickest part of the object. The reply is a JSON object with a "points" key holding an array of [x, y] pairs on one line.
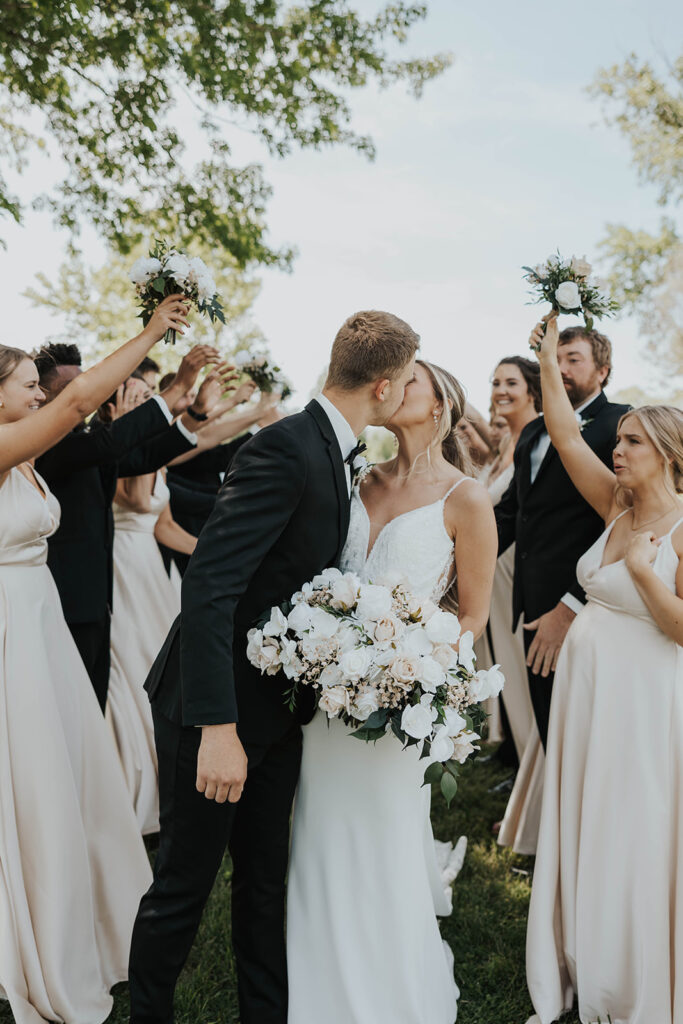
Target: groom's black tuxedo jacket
{"points": [[550, 522], [280, 518], [82, 470]]}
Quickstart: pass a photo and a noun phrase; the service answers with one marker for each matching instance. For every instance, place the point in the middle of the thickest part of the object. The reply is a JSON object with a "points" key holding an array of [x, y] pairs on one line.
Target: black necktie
{"points": [[358, 450]]}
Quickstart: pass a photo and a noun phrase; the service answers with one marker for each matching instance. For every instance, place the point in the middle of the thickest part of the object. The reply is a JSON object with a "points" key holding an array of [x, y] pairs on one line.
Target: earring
{"points": [[435, 417]]}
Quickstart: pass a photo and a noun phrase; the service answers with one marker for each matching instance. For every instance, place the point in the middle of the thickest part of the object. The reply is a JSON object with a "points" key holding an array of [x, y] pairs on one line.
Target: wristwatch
{"points": [[199, 416]]}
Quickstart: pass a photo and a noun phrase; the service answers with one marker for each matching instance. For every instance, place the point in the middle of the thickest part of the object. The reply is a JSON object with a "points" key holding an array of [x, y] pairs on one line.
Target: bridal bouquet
{"points": [[383, 662], [569, 288], [265, 375], [166, 271]]}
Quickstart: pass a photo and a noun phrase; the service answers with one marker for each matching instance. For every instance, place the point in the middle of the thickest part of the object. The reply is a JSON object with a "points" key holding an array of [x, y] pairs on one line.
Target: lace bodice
{"points": [[27, 519], [415, 545], [612, 585], [143, 522]]}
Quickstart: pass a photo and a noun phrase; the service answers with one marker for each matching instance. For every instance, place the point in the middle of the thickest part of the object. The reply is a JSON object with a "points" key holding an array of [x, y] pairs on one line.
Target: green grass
{"points": [[486, 931]]}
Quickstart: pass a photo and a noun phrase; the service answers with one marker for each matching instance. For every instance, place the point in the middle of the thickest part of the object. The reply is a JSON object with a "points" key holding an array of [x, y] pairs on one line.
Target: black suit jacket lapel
{"points": [[587, 414], [529, 445], [339, 469]]}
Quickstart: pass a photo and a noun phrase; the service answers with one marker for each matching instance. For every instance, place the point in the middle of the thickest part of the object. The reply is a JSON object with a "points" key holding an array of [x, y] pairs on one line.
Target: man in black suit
{"points": [[82, 471], [549, 521], [280, 518]]}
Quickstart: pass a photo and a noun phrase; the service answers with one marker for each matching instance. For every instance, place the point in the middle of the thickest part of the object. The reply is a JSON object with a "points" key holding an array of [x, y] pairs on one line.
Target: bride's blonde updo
{"points": [[663, 425], [451, 395]]}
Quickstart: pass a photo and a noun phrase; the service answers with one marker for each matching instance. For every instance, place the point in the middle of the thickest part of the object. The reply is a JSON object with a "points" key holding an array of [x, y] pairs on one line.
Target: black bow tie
{"points": [[358, 450]]}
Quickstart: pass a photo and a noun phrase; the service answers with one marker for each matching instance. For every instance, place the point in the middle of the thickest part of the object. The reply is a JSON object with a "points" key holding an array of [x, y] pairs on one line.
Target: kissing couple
{"points": [[363, 943]]}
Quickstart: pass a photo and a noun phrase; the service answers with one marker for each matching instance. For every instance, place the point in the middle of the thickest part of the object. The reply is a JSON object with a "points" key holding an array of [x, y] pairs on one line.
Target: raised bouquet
{"points": [[265, 375], [569, 288], [167, 271], [383, 662]]}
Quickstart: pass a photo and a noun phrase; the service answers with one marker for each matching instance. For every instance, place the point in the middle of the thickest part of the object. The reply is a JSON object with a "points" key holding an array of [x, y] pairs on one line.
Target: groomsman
{"points": [[82, 471], [549, 521]]}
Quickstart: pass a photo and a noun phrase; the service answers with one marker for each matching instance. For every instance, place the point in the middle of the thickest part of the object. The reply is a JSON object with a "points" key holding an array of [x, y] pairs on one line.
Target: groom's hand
{"points": [[221, 764]]}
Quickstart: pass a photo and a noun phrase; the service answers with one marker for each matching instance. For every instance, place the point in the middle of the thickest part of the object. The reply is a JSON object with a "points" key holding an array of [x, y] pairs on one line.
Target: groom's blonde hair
{"points": [[370, 345]]}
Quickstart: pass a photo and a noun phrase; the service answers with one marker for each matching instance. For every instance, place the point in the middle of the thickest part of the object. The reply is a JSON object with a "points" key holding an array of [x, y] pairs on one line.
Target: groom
{"points": [[228, 748]]}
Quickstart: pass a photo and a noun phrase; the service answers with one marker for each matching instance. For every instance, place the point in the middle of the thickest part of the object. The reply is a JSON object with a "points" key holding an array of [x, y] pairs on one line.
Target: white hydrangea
{"points": [[144, 269]]}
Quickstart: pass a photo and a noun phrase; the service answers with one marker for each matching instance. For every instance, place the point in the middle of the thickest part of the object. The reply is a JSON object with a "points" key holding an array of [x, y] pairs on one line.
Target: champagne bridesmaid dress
{"points": [[72, 864]]}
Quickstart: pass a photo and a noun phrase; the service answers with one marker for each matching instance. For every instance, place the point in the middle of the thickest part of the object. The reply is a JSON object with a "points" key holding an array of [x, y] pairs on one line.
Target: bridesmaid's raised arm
{"points": [[26, 437], [588, 473]]}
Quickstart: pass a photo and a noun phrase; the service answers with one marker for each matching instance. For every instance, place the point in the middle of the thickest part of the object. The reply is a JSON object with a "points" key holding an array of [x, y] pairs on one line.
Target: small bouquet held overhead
{"points": [[568, 287], [167, 271], [382, 661], [266, 376]]}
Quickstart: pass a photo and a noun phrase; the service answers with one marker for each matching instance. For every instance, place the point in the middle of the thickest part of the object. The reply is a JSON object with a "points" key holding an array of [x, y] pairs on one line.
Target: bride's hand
{"points": [[545, 337]]}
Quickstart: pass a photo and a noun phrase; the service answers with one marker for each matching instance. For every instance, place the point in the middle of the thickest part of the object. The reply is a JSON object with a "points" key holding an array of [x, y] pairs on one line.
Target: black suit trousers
{"points": [[193, 837], [93, 642], [541, 691]]}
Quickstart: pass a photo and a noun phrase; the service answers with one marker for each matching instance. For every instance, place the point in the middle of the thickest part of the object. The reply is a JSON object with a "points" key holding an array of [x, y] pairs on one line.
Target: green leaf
{"points": [[378, 719], [159, 285], [369, 735], [449, 787], [433, 773]]}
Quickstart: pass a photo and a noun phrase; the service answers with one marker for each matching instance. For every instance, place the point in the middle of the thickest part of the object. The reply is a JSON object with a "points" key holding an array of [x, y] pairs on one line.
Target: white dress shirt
{"points": [[346, 438], [538, 453], [161, 402]]}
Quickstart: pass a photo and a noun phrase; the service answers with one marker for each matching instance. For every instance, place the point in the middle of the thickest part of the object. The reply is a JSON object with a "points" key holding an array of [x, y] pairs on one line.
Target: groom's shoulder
{"points": [[290, 433]]}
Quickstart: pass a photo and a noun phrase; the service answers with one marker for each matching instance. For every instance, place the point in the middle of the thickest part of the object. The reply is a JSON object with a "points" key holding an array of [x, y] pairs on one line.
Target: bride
{"points": [[363, 942]]}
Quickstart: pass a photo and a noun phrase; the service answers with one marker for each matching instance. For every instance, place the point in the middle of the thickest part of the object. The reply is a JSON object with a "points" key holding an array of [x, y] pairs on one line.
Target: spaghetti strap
{"points": [[457, 484], [674, 527]]}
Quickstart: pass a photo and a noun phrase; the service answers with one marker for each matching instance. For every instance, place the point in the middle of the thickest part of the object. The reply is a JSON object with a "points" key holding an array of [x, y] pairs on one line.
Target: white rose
{"points": [[294, 669], [466, 651], [241, 358], [322, 624], [277, 624], [178, 266], [344, 593], [464, 745], [346, 637], [416, 721], [404, 669], [144, 269], [364, 704], [333, 699], [263, 653], [325, 578], [454, 722], [374, 602], [568, 296], [330, 676], [443, 628], [427, 609], [254, 644], [415, 641], [299, 619], [581, 267], [388, 628], [356, 663], [487, 683], [431, 674], [445, 655], [442, 745], [206, 289]]}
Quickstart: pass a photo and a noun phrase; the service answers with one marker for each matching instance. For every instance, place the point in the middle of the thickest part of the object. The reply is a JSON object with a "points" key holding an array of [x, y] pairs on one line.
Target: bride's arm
{"points": [[666, 608], [470, 520]]}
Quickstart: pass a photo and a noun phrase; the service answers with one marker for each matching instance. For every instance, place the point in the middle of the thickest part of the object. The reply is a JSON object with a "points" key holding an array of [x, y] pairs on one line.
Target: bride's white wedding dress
{"points": [[363, 941]]}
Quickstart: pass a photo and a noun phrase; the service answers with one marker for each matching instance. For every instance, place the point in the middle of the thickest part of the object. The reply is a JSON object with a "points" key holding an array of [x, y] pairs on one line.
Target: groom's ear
{"points": [[380, 388]]}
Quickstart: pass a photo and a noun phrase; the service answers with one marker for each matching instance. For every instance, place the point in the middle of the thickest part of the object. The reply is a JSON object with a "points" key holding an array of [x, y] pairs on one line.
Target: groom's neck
{"points": [[351, 405]]}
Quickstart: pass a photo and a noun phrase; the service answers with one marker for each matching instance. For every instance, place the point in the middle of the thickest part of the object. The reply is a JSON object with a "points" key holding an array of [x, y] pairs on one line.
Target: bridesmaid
{"points": [[606, 914], [516, 395], [73, 864]]}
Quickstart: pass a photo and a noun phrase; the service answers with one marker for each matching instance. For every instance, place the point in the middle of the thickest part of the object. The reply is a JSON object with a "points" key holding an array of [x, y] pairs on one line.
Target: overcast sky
{"points": [[504, 159]]}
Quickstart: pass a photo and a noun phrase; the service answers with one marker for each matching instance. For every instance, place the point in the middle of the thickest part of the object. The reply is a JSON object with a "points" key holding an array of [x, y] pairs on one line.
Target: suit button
{"points": [[525, 517], [523, 554]]}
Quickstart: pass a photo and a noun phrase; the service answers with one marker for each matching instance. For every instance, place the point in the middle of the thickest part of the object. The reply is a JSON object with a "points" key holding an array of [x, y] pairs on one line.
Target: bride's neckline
{"points": [[408, 512]]}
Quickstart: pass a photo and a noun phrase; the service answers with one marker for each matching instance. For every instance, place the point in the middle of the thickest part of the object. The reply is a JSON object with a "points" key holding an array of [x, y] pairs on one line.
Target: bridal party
{"points": [[341, 529]]}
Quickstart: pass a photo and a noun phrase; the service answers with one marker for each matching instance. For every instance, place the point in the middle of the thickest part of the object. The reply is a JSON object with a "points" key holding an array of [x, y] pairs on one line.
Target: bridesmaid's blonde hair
{"points": [[9, 360], [663, 425]]}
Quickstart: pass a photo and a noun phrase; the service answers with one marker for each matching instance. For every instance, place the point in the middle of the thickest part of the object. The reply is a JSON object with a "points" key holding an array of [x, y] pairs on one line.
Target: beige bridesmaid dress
{"points": [[72, 864], [606, 916]]}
